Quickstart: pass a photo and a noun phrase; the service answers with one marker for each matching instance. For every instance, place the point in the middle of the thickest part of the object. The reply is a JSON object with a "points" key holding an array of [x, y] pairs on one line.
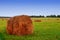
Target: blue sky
{"points": [[29, 7]]}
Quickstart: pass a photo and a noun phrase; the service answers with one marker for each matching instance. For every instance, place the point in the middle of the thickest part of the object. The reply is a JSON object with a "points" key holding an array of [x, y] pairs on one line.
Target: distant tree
{"points": [[58, 15], [37, 16], [51, 16], [4, 17], [41, 16], [47, 16]]}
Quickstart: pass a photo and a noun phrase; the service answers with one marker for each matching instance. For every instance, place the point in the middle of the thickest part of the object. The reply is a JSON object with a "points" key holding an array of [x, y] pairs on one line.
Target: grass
{"points": [[47, 29]]}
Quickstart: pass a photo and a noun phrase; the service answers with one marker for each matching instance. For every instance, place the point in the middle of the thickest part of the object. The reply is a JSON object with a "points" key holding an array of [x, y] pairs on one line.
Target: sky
{"points": [[29, 7]]}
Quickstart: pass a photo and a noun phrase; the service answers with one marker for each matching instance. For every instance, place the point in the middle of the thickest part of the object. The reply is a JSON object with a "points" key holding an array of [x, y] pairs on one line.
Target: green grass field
{"points": [[47, 29]]}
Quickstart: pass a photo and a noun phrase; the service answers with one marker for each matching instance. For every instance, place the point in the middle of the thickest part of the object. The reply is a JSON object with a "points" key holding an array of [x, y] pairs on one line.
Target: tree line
{"points": [[47, 16], [58, 16]]}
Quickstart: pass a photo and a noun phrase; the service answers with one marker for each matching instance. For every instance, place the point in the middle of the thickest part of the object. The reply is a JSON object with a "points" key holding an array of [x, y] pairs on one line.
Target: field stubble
{"points": [[47, 29]]}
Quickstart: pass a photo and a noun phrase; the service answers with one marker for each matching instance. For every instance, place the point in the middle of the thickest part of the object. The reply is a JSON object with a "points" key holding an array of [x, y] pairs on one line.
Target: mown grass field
{"points": [[47, 29]]}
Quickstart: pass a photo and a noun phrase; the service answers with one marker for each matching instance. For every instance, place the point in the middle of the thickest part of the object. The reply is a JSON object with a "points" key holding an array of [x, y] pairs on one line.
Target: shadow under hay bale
{"points": [[20, 25]]}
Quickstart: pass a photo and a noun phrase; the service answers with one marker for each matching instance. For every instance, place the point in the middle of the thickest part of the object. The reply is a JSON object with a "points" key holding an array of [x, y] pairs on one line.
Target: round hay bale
{"points": [[10, 26], [37, 20], [20, 25]]}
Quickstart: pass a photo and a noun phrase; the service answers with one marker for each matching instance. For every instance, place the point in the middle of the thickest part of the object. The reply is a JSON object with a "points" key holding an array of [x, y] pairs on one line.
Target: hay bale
{"points": [[10, 26], [37, 20], [20, 25]]}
